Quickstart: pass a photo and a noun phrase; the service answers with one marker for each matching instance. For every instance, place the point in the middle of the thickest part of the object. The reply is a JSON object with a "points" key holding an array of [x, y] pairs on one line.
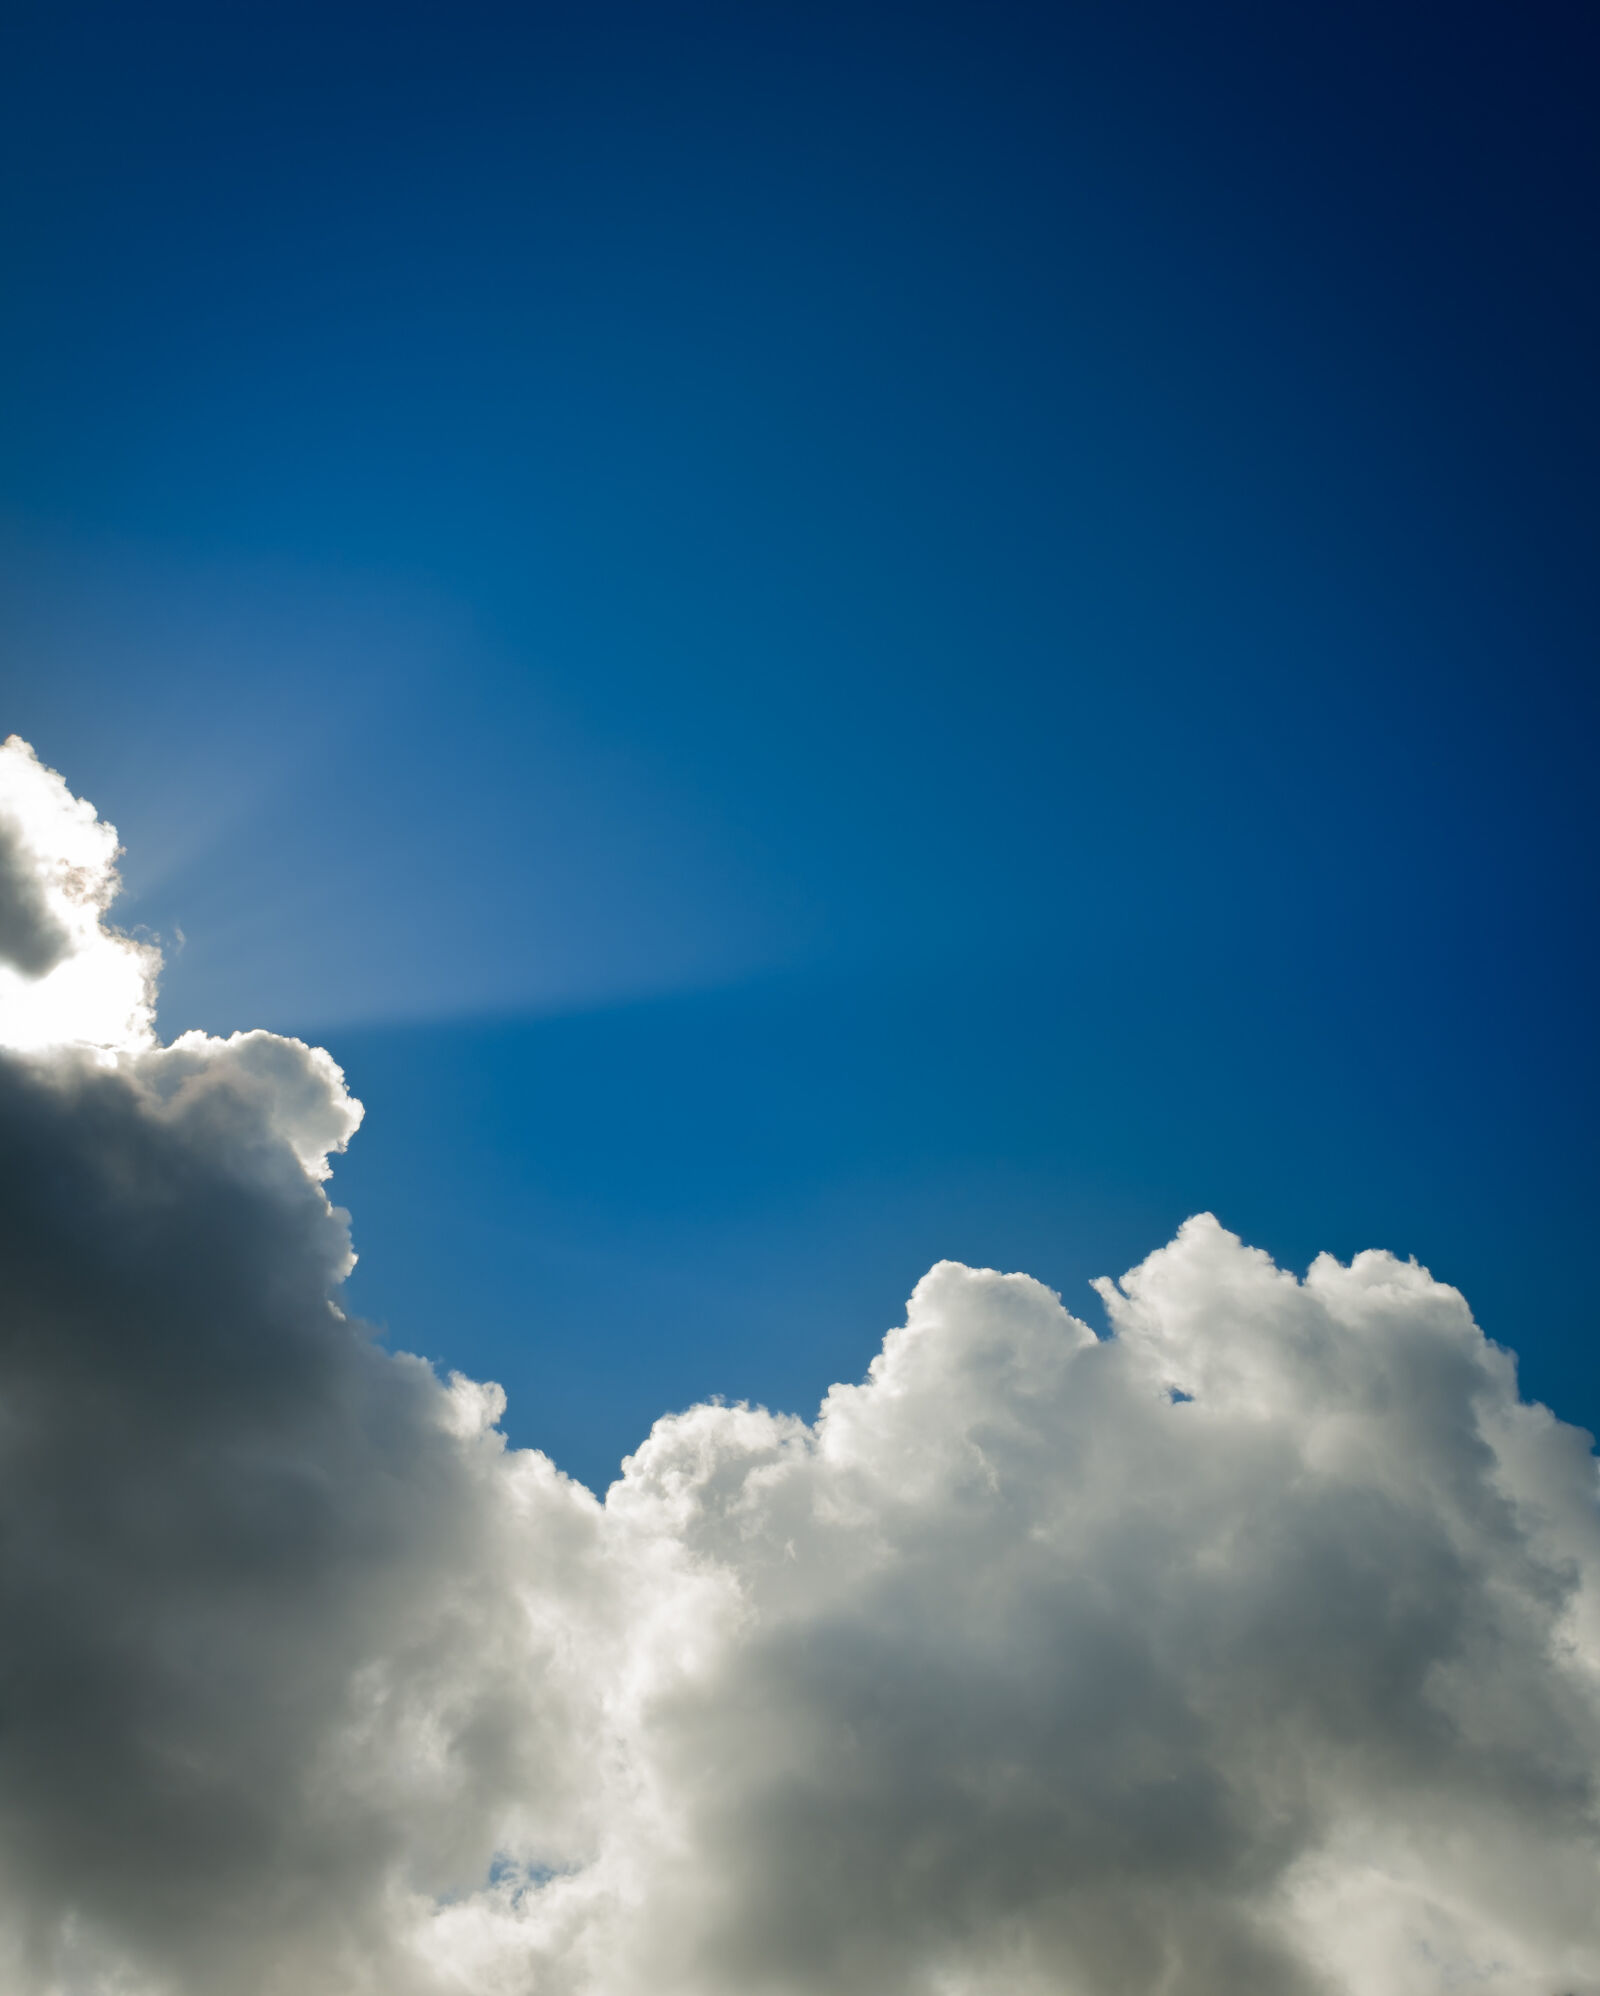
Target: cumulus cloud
{"points": [[1252, 1648]]}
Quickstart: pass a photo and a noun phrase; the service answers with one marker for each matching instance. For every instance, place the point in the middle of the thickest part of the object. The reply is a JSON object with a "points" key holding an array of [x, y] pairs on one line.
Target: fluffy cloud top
{"points": [[1254, 1648]]}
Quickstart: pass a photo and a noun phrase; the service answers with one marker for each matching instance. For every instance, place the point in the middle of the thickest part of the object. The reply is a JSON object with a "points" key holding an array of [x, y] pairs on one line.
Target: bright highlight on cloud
{"points": [[64, 975], [1252, 1649]]}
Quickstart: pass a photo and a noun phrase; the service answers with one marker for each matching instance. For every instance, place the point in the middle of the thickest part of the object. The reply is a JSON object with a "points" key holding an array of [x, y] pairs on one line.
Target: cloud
{"points": [[64, 974], [1253, 1648]]}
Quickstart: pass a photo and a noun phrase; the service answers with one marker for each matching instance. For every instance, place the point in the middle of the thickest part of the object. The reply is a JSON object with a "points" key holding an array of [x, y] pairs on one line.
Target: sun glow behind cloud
{"points": [[1253, 1648]]}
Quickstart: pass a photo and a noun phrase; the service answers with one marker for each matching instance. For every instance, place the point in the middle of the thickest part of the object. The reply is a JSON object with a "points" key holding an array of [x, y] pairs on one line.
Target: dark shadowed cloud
{"points": [[31, 939]]}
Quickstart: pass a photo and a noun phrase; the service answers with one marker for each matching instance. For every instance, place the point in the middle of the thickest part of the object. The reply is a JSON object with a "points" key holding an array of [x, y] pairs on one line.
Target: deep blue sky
{"points": [[818, 636]]}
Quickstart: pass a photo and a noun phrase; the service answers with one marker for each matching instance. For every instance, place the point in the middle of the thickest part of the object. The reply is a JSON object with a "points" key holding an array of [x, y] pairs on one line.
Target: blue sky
{"points": [[813, 638]]}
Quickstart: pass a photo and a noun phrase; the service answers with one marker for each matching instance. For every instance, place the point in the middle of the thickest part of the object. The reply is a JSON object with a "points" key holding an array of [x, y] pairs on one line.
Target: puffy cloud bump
{"points": [[64, 975], [1254, 1648]]}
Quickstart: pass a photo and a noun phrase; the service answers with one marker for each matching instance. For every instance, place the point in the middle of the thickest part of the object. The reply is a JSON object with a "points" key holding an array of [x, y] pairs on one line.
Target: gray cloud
{"points": [[1012, 1670], [1043, 1680], [259, 1664], [32, 940]]}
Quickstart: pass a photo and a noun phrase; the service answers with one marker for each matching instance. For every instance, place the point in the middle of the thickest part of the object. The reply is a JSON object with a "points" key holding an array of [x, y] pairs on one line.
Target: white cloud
{"points": [[1011, 1671], [64, 975]]}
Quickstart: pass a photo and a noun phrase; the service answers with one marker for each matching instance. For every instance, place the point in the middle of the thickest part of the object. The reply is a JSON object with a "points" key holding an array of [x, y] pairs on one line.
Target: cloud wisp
{"points": [[1253, 1648]]}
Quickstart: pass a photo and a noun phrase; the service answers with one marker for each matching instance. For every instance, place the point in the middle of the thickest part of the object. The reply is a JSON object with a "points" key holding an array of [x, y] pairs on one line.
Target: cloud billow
{"points": [[1253, 1648], [65, 976], [32, 940]]}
